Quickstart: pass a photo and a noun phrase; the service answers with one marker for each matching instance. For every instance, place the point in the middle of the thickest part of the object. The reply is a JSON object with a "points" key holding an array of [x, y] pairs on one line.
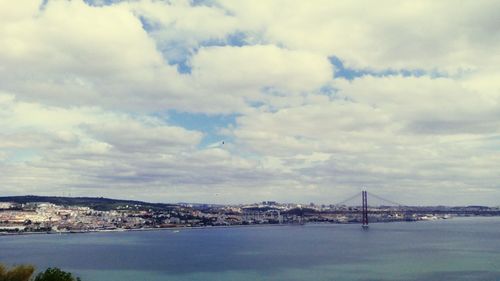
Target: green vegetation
{"points": [[96, 203], [55, 274], [25, 273], [18, 273]]}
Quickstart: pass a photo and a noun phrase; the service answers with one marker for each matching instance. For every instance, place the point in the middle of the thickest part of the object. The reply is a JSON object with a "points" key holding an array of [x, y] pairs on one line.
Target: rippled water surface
{"points": [[456, 249]]}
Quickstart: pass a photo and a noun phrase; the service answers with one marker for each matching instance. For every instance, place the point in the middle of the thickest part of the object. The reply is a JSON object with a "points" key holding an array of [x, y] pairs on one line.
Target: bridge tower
{"points": [[364, 198]]}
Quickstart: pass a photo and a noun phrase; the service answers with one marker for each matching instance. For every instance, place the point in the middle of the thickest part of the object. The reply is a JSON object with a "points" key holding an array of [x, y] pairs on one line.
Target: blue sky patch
{"points": [[237, 39], [98, 3], [179, 54], [329, 91], [209, 125], [340, 71]]}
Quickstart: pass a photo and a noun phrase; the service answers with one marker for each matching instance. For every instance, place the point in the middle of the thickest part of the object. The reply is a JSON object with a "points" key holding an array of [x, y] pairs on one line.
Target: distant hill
{"points": [[96, 203]]}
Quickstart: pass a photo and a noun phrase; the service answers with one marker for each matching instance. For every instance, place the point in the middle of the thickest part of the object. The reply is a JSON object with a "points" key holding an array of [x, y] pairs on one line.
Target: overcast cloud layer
{"points": [[241, 101]]}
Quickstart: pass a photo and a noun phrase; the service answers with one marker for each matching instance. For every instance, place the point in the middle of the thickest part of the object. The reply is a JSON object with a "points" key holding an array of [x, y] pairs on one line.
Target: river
{"points": [[455, 249]]}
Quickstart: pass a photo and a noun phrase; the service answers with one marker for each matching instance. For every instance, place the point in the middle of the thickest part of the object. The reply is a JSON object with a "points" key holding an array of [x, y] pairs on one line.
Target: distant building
{"points": [[7, 205]]}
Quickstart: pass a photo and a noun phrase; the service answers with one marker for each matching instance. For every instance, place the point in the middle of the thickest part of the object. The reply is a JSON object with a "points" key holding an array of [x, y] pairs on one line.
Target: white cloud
{"points": [[261, 66], [387, 134], [72, 36], [178, 28], [82, 149], [440, 105], [70, 53], [427, 35], [86, 80]]}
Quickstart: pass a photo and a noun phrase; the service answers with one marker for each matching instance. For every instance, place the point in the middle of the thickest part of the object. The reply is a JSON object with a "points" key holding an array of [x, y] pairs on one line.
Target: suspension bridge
{"points": [[358, 205], [363, 209]]}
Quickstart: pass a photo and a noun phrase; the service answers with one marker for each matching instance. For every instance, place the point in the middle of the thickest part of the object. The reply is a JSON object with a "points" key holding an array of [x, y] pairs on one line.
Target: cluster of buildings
{"points": [[47, 217]]}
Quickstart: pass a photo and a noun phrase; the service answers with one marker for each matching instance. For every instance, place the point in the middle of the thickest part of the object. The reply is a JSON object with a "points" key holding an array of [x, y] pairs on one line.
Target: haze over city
{"points": [[245, 101]]}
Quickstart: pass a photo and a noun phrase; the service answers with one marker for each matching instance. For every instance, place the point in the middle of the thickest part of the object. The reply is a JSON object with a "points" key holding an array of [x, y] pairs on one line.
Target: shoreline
{"points": [[179, 228], [173, 229]]}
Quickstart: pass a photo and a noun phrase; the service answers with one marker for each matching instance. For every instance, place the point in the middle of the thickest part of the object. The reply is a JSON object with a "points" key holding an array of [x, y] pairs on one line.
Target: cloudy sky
{"points": [[240, 101]]}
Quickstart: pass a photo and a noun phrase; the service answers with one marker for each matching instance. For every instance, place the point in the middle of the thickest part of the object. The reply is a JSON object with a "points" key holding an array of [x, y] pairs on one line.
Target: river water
{"points": [[455, 249]]}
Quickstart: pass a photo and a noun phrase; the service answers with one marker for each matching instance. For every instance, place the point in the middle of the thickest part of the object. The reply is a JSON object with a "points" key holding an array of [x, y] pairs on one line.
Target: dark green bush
{"points": [[55, 274], [25, 273], [18, 273]]}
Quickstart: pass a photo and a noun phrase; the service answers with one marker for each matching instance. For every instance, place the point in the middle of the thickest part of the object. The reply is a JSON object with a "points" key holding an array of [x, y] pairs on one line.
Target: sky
{"points": [[224, 101]]}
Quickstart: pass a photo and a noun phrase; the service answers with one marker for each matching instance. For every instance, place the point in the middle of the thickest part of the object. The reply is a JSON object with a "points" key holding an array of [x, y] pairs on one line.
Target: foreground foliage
{"points": [[18, 273], [25, 273]]}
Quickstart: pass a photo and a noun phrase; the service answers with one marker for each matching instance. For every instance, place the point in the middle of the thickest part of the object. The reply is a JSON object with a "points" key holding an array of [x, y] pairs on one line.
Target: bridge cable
{"points": [[386, 200], [348, 199]]}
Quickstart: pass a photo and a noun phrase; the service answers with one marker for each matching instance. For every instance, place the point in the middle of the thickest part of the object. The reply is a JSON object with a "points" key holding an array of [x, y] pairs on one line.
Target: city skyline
{"points": [[229, 102]]}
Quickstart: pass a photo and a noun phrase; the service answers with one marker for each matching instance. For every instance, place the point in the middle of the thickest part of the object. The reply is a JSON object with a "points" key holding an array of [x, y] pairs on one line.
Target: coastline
{"points": [[180, 228], [173, 229]]}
